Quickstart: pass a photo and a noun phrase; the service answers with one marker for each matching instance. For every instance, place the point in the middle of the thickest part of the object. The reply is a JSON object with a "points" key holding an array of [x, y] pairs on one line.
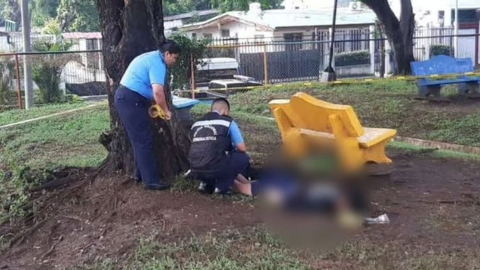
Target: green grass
{"points": [[386, 104], [13, 116], [229, 250], [29, 151], [412, 149], [256, 248], [26, 151]]}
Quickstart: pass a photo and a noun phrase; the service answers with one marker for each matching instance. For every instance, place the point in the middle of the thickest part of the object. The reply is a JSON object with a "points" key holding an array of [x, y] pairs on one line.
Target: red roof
{"points": [[84, 35]]}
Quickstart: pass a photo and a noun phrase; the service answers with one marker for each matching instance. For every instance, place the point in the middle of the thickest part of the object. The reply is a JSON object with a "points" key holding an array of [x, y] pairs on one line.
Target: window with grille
{"points": [[296, 38]]}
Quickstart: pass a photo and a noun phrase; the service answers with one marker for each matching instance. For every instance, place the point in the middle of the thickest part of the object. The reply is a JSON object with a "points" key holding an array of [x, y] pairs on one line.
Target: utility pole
{"points": [[456, 29], [27, 68], [329, 75]]}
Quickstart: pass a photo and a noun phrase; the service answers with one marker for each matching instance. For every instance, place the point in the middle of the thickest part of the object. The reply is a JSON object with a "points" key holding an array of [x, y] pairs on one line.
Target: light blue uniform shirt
{"points": [[234, 132], [146, 69]]}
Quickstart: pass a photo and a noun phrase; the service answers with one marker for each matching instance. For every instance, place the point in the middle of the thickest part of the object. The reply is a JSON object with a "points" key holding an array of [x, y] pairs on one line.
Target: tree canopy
{"points": [[82, 15]]}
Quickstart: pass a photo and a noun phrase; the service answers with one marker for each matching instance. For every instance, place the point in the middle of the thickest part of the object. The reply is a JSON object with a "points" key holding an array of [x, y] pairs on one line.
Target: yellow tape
{"points": [[339, 82], [155, 111]]}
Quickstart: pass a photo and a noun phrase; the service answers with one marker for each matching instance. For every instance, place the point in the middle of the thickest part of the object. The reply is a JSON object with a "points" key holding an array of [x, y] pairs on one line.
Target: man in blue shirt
{"points": [[217, 155], [144, 82]]}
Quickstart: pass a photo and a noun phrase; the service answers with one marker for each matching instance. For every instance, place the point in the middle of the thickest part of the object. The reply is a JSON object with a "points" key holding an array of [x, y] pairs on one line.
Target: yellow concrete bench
{"points": [[307, 124]]}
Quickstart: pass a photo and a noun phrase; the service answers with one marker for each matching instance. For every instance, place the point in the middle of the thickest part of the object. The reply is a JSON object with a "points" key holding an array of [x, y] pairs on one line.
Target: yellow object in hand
{"points": [[155, 111]]}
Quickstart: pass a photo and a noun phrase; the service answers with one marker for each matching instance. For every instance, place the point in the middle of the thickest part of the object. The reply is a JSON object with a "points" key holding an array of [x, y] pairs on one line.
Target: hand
{"points": [[168, 115]]}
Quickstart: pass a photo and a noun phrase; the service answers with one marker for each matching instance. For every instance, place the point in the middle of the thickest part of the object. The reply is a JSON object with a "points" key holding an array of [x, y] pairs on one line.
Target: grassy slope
{"points": [[68, 140], [13, 116]]}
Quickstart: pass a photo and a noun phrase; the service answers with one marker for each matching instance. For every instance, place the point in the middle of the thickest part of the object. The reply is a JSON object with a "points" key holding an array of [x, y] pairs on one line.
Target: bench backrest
{"points": [[314, 115], [442, 65]]}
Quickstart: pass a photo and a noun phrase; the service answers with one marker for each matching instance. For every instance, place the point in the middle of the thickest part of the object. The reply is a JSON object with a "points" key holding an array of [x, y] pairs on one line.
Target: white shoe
{"points": [[202, 186]]}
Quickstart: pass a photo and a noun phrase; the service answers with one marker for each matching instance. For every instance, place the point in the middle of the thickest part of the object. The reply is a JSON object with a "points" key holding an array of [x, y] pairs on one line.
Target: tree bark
{"points": [[399, 32], [130, 28]]}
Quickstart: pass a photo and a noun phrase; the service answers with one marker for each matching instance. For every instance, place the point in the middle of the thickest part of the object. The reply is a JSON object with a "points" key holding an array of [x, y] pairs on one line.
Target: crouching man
{"points": [[217, 155]]}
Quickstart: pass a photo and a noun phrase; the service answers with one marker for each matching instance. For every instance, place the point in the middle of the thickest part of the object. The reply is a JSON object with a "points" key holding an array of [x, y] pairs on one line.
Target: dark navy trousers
{"points": [[133, 111], [223, 175]]}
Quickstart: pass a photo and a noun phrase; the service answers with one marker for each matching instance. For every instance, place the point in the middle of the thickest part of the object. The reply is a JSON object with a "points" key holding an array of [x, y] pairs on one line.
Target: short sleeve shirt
{"points": [[234, 133], [146, 69]]}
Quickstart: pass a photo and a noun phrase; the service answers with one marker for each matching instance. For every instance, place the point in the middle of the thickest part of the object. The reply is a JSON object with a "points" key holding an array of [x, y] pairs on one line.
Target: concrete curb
{"points": [[439, 145]]}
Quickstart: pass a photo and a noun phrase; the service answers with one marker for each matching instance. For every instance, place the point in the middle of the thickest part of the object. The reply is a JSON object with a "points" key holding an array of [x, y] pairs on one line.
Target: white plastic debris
{"points": [[383, 219]]}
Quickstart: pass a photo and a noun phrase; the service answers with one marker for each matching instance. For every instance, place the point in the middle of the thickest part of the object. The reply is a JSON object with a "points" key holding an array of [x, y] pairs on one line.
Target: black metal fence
{"points": [[356, 53]]}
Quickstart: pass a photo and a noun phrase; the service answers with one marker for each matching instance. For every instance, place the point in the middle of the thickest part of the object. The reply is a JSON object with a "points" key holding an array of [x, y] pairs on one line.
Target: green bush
{"points": [[7, 70], [352, 58], [47, 69], [191, 48], [441, 50]]}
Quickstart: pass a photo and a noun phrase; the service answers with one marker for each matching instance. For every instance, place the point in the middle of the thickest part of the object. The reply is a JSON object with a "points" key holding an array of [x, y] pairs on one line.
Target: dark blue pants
{"points": [[223, 175], [133, 111]]}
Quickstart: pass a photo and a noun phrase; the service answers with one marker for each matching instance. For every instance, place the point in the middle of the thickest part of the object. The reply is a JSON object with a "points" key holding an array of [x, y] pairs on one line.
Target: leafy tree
{"points": [[10, 10], [43, 11], [78, 16], [51, 27], [174, 7]]}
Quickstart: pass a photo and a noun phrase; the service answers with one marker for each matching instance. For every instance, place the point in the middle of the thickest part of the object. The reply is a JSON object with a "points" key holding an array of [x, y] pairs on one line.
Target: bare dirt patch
{"points": [[432, 203]]}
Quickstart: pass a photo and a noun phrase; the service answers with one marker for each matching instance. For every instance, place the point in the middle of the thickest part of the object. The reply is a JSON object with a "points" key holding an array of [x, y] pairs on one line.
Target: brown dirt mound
{"points": [[105, 218], [431, 203]]}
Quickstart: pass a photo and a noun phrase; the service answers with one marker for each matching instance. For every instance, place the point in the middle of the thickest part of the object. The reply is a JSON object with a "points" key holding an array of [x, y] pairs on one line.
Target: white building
{"points": [[171, 23], [312, 4], [257, 25]]}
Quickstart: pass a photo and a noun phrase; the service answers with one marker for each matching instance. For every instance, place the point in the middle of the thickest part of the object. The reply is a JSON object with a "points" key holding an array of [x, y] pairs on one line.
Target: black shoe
{"points": [[136, 179], [161, 186]]}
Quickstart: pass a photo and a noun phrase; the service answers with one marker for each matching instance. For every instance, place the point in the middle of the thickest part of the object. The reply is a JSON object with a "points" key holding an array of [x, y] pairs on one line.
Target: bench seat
{"points": [[442, 65], [308, 124], [427, 82], [370, 137]]}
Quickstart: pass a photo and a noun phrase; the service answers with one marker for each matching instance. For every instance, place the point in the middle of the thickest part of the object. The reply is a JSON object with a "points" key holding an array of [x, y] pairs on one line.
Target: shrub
{"points": [[352, 58], [7, 70], [47, 69], [191, 48], [441, 50]]}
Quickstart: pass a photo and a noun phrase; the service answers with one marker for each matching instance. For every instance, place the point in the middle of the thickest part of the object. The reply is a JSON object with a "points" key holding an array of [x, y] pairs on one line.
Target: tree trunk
{"points": [[130, 28], [399, 32]]}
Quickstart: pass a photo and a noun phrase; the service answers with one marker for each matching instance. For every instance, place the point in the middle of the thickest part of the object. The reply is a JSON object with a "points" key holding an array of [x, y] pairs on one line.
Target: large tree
{"points": [[10, 10], [78, 16], [130, 28], [43, 11], [399, 31]]}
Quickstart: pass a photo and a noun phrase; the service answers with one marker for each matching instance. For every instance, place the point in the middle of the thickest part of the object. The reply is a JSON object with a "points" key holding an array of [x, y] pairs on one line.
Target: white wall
{"points": [[172, 24], [238, 30], [4, 46], [308, 4], [420, 7]]}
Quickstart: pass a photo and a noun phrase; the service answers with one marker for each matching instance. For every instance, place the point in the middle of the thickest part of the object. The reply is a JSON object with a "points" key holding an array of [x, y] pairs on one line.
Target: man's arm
{"points": [[157, 75], [159, 96], [236, 137]]}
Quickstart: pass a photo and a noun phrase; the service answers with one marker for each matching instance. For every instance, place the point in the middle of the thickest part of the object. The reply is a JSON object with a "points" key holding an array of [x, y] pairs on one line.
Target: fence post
{"points": [[19, 88], [192, 77], [265, 64], [388, 66], [372, 48]]}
